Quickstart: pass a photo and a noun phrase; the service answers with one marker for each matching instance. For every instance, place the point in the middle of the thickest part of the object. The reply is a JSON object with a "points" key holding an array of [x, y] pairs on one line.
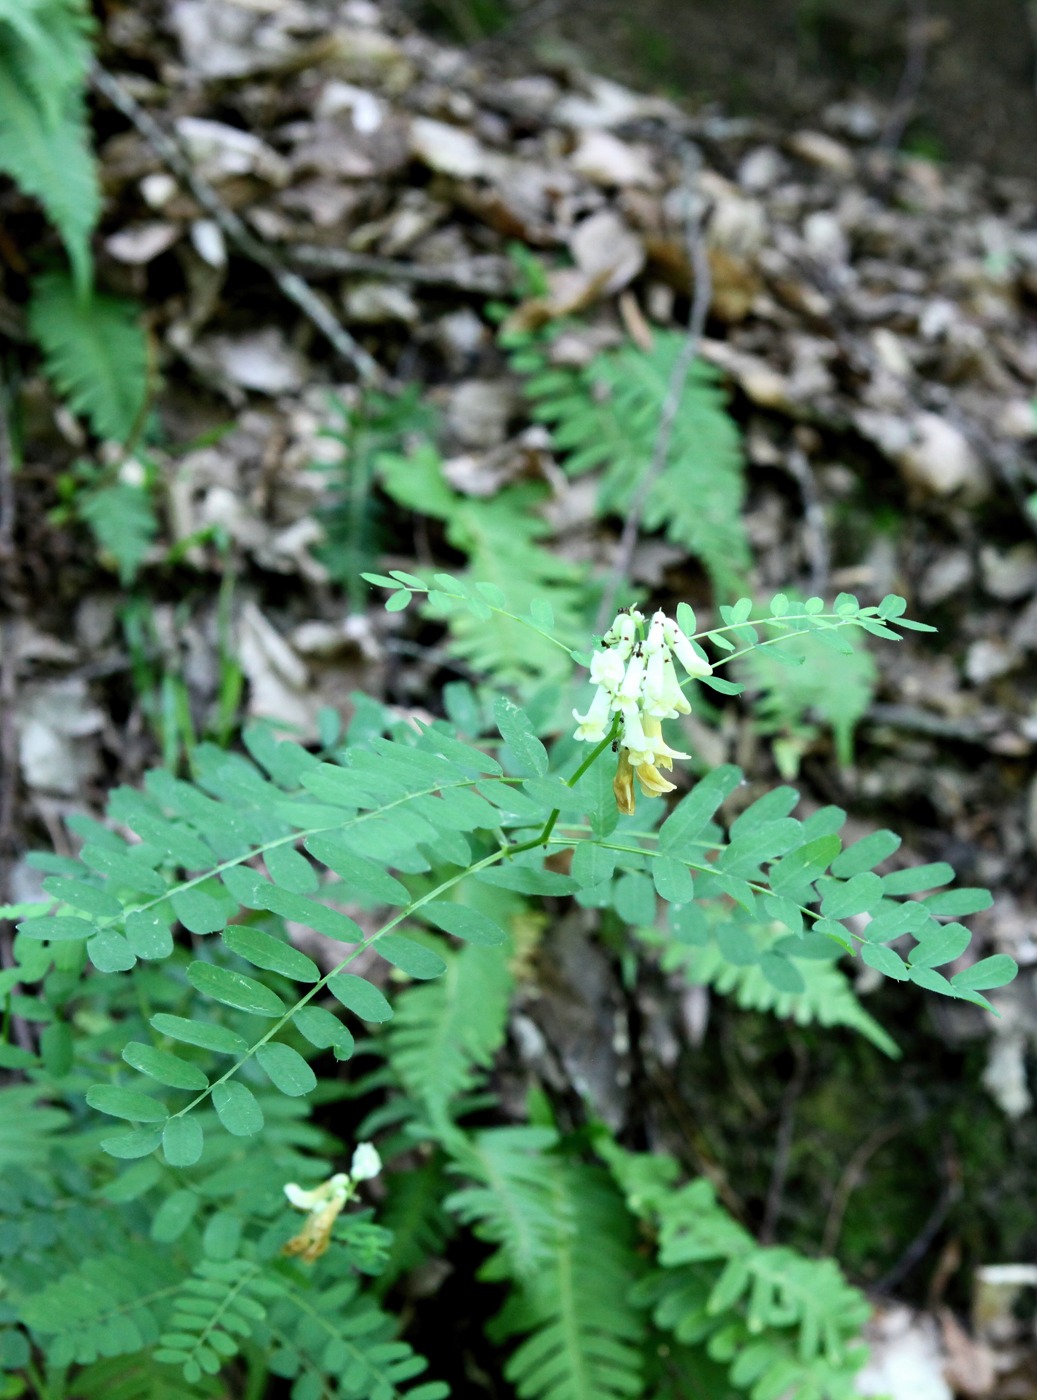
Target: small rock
{"points": [[761, 169], [1010, 573], [989, 658], [818, 149], [940, 461]]}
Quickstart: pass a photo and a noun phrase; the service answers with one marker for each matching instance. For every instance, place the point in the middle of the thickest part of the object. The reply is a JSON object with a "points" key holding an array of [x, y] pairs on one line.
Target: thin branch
{"points": [[815, 528], [911, 78], [783, 1145], [702, 295], [238, 232]]}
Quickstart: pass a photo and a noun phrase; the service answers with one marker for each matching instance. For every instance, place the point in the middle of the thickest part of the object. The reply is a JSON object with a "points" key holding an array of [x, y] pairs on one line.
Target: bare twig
{"points": [[919, 1246], [238, 232], [850, 1180], [815, 529], [7, 501], [783, 1146], [702, 295], [911, 78]]}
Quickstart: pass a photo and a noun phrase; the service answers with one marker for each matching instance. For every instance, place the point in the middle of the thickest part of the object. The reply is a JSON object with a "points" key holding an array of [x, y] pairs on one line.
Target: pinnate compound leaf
{"points": [[995, 971], [164, 1067], [323, 1029], [884, 960], [311, 914], [273, 954], [362, 877], [286, 1068], [237, 1108], [359, 996], [199, 912], [414, 959], [917, 878], [517, 733], [693, 813], [57, 928], [941, 944], [204, 1034], [468, 924], [234, 989], [182, 1141], [148, 934], [290, 870], [126, 1103]]}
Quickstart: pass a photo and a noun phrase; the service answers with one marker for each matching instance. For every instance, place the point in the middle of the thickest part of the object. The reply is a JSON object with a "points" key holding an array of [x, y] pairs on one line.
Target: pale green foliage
{"points": [[785, 1324], [206, 1056], [500, 536], [806, 678], [607, 417], [44, 145], [377, 425], [94, 351]]}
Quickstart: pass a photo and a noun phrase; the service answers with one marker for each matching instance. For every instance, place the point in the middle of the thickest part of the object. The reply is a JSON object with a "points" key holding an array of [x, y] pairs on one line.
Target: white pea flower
{"points": [[366, 1162], [638, 679], [595, 724], [629, 692], [324, 1205], [661, 693], [607, 669], [685, 652]]}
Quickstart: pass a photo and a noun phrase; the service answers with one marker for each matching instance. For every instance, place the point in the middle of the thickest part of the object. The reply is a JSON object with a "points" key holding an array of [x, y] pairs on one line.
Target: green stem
{"points": [[549, 825]]}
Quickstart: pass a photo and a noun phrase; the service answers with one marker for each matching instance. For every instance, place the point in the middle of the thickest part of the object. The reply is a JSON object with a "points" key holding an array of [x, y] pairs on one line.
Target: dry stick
{"points": [[910, 79], [815, 529], [238, 232], [783, 1146], [701, 297]]}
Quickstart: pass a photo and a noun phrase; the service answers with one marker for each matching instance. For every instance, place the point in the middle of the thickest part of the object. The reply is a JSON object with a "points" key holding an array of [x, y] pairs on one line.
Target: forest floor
{"points": [[873, 320]]}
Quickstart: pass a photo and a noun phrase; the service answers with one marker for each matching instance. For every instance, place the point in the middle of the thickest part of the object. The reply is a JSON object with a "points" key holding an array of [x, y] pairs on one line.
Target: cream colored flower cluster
{"points": [[637, 680]]}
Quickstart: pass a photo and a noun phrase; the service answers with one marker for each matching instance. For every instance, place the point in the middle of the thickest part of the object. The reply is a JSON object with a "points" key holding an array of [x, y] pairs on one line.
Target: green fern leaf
{"points": [[607, 417], [445, 1032], [95, 352], [582, 1337], [44, 144]]}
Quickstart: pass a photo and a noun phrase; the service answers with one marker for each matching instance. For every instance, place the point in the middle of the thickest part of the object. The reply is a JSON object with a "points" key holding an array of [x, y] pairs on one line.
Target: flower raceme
{"points": [[636, 679]]}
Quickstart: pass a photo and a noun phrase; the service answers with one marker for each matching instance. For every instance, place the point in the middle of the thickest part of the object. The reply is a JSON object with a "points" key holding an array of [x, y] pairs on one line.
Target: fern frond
{"points": [[95, 352], [826, 998], [138, 1378], [607, 417], [445, 1032], [501, 538], [783, 1323], [582, 1335], [109, 1306], [514, 1205], [803, 677], [218, 1305], [334, 1332]]}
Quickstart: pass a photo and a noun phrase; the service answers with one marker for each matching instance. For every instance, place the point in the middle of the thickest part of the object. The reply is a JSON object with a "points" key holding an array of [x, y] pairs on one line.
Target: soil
{"points": [[787, 60]]}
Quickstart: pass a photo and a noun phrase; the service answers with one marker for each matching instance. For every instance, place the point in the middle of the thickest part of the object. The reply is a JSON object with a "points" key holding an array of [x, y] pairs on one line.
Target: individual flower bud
{"points": [[661, 692], [686, 653], [607, 669], [623, 785], [662, 754], [366, 1162], [324, 1204], [656, 634], [652, 782], [633, 739], [594, 725], [622, 633], [629, 692]]}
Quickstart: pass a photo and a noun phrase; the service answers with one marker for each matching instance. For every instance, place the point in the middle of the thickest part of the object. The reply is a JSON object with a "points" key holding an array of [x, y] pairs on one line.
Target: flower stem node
{"points": [[637, 681]]}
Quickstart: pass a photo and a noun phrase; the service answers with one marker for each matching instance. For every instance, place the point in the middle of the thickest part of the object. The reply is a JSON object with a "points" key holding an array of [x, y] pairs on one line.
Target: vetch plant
{"points": [[160, 985]]}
